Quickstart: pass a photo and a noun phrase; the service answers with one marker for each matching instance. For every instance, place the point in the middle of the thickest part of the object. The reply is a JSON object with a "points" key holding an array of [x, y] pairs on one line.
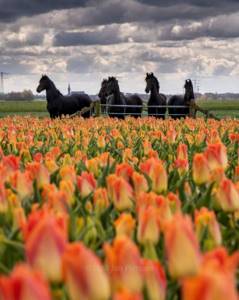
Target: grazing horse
{"points": [[177, 112], [155, 99], [59, 105], [116, 100]]}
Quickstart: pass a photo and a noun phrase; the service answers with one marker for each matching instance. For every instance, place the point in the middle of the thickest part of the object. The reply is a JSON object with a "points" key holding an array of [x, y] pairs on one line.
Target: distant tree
{"points": [[26, 95]]}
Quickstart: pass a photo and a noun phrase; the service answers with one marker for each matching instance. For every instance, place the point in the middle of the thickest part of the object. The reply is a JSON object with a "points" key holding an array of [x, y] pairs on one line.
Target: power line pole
{"points": [[2, 75]]}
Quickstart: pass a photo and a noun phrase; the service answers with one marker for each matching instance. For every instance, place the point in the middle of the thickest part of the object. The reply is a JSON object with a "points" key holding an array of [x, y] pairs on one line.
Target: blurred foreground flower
{"points": [[84, 274]]}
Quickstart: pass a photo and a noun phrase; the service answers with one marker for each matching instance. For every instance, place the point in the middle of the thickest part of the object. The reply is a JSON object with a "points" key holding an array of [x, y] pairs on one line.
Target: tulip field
{"points": [[128, 209]]}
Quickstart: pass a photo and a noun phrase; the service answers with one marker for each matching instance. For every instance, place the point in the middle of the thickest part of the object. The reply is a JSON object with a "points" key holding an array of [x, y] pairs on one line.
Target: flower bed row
{"points": [[106, 209]]}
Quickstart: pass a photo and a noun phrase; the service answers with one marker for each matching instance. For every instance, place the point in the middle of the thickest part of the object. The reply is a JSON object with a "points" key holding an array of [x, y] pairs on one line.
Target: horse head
{"points": [[151, 82], [44, 83], [189, 93], [112, 86], [103, 90]]}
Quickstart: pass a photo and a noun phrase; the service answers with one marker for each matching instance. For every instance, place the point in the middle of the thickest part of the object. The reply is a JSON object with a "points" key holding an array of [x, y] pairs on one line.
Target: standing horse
{"points": [[116, 100], [155, 99], [103, 95], [177, 112], [59, 105], [134, 103]]}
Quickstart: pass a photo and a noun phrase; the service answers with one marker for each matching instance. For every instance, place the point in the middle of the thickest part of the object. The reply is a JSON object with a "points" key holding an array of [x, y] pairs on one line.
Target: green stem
{"points": [[4, 269], [13, 244]]}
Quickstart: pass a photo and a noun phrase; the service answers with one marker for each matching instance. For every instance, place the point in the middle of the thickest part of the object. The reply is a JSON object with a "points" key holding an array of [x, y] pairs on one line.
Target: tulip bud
{"points": [[148, 226], [84, 274], [120, 192], [68, 187], [181, 247], [125, 225], [101, 201], [201, 171], [155, 280], [43, 176], [207, 228], [157, 173], [23, 184], [215, 279], [124, 265], [182, 152], [67, 172], [86, 183], [216, 155], [93, 166], [46, 237], [140, 183], [227, 196], [51, 165], [124, 170], [24, 284]]}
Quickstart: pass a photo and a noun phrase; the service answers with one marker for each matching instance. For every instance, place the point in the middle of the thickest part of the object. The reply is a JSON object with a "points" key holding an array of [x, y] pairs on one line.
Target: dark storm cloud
{"points": [[97, 12], [105, 36], [14, 9]]}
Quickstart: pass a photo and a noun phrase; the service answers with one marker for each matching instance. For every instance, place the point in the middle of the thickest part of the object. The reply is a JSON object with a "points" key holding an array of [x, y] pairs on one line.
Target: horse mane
{"points": [[45, 77]]}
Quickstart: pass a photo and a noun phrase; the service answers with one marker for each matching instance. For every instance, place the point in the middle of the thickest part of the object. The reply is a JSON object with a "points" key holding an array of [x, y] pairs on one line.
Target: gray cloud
{"points": [[14, 9], [106, 36], [93, 39]]}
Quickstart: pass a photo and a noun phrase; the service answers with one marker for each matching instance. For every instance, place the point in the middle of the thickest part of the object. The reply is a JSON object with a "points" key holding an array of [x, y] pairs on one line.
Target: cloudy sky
{"points": [[83, 41]]}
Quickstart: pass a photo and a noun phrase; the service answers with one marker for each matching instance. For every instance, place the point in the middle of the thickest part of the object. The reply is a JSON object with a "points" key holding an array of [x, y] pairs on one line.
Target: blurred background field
{"points": [[220, 108]]}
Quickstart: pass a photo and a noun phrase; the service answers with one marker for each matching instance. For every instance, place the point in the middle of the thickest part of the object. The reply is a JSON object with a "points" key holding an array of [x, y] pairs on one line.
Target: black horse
{"points": [[134, 106], [103, 95], [155, 99], [178, 112], [111, 91], [116, 101], [59, 105]]}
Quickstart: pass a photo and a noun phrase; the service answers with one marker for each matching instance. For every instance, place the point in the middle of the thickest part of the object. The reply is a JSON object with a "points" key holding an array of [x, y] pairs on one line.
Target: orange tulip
{"points": [[215, 280], [174, 202], [216, 155], [157, 173], [84, 274], [86, 183], [120, 192], [126, 295], [201, 171], [205, 221], [155, 280], [24, 284], [46, 238], [43, 176], [139, 182], [124, 265], [124, 225], [67, 172], [124, 170], [181, 165], [101, 201], [148, 225], [227, 196], [68, 187], [181, 247], [23, 184], [93, 166], [182, 152]]}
